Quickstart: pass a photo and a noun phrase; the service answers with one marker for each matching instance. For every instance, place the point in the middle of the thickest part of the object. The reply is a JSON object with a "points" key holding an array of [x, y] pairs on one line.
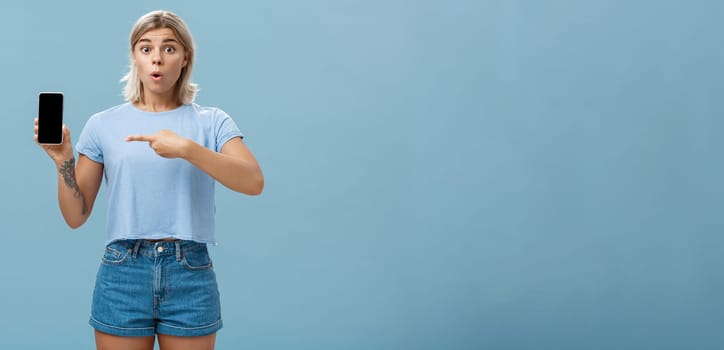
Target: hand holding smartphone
{"points": [[50, 118]]}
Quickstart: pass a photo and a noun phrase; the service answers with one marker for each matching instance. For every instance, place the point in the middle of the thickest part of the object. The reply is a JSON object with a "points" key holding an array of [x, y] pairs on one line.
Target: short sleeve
{"points": [[225, 129], [88, 144]]}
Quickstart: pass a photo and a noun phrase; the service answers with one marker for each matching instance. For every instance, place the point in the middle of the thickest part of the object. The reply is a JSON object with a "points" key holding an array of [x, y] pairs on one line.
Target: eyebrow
{"points": [[167, 40]]}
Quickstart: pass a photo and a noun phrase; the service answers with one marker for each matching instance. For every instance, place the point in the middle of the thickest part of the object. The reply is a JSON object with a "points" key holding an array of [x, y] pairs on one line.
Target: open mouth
{"points": [[156, 76]]}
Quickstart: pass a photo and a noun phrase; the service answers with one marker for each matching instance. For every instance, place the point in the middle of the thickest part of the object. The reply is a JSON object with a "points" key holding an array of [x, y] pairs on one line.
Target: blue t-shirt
{"points": [[151, 197]]}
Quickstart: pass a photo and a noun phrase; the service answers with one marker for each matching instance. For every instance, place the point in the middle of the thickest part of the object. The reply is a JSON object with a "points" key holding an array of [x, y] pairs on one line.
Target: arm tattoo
{"points": [[67, 170]]}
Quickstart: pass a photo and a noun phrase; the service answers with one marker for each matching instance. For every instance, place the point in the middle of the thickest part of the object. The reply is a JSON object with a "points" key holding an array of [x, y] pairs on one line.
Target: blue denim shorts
{"points": [[146, 287]]}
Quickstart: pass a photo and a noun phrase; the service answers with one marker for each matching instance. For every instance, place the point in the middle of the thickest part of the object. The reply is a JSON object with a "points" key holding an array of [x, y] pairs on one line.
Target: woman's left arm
{"points": [[235, 166]]}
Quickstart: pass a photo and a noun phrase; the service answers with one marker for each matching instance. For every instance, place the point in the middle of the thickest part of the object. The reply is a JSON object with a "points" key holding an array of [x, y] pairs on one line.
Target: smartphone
{"points": [[50, 118]]}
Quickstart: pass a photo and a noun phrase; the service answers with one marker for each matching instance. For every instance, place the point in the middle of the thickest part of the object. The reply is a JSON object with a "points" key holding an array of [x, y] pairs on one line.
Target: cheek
{"points": [[138, 63], [180, 66]]}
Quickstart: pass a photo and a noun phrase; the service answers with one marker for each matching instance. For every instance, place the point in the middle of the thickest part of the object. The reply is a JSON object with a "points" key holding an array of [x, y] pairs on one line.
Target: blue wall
{"points": [[439, 175]]}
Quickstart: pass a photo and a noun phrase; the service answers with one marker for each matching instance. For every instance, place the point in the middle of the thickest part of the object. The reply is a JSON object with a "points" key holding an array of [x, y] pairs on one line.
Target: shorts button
{"points": [[159, 249]]}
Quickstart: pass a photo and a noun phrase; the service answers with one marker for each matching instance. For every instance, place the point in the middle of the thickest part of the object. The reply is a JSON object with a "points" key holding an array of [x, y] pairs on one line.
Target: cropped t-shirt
{"points": [[151, 197]]}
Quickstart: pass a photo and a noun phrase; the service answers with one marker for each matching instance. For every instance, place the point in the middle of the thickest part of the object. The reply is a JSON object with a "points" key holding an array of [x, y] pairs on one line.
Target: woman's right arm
{"points": [[78, 184]]}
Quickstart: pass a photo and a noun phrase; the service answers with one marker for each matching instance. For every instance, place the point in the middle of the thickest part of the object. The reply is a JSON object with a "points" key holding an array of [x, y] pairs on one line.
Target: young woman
{"points": [[161, 155]]}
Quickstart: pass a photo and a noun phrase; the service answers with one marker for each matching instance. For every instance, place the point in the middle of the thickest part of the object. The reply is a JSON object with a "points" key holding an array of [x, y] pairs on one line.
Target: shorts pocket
{"points": [[197, 259], [115, 254]]}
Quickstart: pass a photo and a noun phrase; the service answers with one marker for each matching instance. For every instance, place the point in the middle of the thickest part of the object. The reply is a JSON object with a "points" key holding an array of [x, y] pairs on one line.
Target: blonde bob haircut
{"points": [[185, 89]]}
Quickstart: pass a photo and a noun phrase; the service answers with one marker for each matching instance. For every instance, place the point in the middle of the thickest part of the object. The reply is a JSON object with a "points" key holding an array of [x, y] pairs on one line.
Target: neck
{"points": [[155, 103]]}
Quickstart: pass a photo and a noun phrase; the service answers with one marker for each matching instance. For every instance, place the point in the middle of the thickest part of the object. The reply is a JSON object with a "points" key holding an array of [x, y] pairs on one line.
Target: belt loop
{"points": [[178, 250], [136, 247]]}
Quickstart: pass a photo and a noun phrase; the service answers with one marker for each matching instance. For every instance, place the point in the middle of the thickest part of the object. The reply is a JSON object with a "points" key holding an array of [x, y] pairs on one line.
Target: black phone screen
{"points": [[50, 117]]}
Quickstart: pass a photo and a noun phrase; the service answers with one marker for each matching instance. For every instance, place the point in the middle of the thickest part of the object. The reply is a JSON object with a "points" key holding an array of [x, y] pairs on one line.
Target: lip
{"points": [[156, 76]]}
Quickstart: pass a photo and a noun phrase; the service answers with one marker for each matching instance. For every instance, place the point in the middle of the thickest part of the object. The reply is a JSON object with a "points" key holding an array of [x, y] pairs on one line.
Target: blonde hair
{"points": [[185, 90]]}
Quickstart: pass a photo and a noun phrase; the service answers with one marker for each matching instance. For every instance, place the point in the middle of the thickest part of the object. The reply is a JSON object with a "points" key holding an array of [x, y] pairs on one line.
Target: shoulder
{"points": [[100, 120], [215, 118], [208, 111], [212, 116], [110, 112]]}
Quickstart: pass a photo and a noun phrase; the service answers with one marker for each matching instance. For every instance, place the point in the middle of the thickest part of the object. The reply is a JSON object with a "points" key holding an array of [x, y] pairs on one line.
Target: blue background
{"points": [[439, 175]]}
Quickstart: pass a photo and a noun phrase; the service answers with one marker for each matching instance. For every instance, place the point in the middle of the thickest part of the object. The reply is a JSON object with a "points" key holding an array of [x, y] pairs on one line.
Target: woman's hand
{"points": [[165, 143], [58, 153]]}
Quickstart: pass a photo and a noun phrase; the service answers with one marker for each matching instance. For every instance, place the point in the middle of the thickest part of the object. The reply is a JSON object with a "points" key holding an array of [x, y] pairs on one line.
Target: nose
{"points": [[156, 60]]}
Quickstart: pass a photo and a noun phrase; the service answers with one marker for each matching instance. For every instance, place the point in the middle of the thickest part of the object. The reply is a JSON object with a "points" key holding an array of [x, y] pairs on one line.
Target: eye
{"points": [[145, 49], [169, 49]]}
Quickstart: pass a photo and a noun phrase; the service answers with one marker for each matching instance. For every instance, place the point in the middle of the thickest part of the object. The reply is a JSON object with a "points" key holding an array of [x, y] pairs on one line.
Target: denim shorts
{"points": [[165, 287]]}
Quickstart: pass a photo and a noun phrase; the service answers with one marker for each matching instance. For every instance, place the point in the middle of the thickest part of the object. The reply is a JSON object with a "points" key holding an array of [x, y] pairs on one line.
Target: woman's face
{"points": [[159, 58]]}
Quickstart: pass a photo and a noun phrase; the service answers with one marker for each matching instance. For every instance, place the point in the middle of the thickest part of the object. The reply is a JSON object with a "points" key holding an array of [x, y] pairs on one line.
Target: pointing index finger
{"points": [[146, 138]]}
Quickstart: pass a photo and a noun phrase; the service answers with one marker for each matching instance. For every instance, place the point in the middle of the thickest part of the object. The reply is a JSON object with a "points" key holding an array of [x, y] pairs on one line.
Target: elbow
{"points": [[254, 186], [74, 224], [257, 187]]}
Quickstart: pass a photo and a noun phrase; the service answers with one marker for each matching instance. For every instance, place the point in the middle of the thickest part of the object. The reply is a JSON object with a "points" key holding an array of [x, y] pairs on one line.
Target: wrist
{"points": [[189, 149]]}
